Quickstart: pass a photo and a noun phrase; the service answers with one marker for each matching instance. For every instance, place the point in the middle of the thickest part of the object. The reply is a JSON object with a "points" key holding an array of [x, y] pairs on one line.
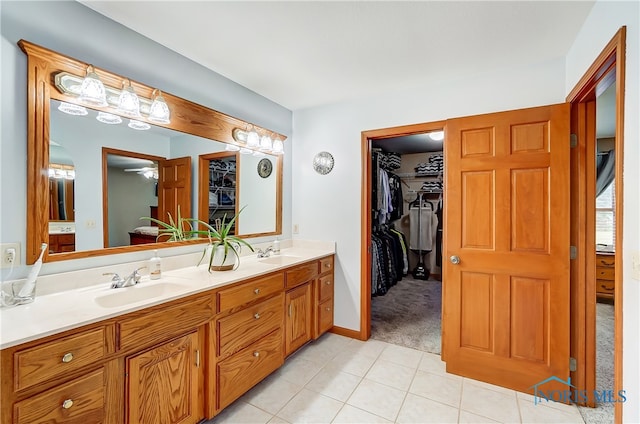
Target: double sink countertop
{"points": [[73, 299]]}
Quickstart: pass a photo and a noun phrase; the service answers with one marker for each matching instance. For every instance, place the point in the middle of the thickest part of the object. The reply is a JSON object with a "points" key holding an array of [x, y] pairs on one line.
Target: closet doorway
{"points": [[406, 240]]}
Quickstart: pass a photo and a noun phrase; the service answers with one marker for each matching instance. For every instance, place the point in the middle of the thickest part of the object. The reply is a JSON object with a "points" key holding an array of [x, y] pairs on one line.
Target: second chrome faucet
{"points": [[132, 279]]}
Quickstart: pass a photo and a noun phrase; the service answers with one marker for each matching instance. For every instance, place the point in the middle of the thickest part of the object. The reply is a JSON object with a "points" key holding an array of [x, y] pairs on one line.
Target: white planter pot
{"points": [[218, 263]]}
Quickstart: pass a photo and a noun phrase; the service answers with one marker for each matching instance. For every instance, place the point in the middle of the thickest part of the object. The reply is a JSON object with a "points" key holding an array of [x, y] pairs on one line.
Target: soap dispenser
{"points": [[276, 246], [155, 266]]}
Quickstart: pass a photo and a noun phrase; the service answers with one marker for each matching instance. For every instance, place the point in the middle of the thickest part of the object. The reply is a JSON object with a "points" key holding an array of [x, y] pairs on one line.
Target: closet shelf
{"points": [[416, 175]]}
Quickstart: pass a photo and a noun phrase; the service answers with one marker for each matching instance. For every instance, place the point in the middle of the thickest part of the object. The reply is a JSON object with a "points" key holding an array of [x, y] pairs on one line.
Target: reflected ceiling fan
{"points": [[147, 171]]}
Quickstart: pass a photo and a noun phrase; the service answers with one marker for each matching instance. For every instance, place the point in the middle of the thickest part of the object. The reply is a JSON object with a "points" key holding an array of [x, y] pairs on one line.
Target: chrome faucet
{"points": [[266, 252], [118, 282]]}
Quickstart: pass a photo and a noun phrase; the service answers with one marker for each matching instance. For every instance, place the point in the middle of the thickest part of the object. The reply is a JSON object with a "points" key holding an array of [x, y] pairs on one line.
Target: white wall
{"points": [[605, 20], [328, 207], [72, 29]]}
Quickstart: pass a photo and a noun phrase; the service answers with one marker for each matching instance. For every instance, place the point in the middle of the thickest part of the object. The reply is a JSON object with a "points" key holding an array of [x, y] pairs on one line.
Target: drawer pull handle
{"points": [[68, 357], [257, 291], [257, 316], [67, 404], [256, 354]]}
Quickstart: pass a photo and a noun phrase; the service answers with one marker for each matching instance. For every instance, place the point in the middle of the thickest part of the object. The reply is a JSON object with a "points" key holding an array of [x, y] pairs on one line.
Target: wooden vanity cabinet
{"points": [[605, 276], [324, 297]]}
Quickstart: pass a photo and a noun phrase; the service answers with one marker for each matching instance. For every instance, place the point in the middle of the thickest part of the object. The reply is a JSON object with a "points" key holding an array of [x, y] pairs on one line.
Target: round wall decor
{"points": [[265, 167], [323, 163]]}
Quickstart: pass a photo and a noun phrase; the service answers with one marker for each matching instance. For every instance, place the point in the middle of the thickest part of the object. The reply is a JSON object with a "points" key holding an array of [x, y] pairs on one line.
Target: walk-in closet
{"points": [[406, 240]]}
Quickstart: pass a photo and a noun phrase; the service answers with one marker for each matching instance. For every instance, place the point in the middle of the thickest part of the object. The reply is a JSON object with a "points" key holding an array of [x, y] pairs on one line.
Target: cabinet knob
{"points": [[256, 354], [328, 283], [327, 265], [328, 309], [257, 291], [68, 357], [67, 404], [257, 316]]}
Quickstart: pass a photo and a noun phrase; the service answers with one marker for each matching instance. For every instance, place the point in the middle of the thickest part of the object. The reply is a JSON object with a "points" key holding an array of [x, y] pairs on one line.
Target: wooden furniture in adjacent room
{"points": [[62, 242], [605, 276]]}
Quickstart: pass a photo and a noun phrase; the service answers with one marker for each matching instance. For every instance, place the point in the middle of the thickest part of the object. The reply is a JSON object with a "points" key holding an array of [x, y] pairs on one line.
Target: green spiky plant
{"points": [[220, 235], [178, 230]]}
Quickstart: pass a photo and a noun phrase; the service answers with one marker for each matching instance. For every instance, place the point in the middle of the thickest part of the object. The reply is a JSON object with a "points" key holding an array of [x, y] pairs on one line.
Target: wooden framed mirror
{"points": [[194, 130]]}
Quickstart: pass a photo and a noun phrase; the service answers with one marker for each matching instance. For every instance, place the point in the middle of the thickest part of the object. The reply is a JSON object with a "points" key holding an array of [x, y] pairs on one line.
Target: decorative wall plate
{"points": [[265, 167], [323, 163]]}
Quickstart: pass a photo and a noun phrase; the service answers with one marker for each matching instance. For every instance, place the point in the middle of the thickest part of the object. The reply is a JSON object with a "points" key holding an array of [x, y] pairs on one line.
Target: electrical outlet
{"points": [[9, 254], [296, 229], [635, 265]]}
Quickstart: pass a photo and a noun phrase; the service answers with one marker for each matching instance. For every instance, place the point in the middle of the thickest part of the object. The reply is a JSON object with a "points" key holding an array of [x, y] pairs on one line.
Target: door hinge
{"points": [[573, 140], [573, 252], [197, 358], [573, 364]]}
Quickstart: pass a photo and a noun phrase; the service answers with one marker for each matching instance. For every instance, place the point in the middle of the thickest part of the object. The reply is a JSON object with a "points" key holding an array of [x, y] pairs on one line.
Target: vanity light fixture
{"points": [[72, 109], [265, 143], [61, 172], [92, 90], [108, 118], [138, 125], [128, 102], [278, 146], [159, 111], [253, 139]]}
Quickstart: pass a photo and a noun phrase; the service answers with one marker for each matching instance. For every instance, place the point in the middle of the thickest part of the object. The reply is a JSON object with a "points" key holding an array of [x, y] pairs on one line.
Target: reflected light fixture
{"points": [[138, 125], [232, 148], [159, 111], [92, 90], [72, 109], [108, 118], [436, 135], [128, 102], [258, 153], [245, 151]]}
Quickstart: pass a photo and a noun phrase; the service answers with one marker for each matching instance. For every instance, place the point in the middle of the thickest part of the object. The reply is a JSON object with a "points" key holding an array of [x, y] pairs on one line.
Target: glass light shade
{"points": [[128, 102], [52, 172], [265, 143], [258, 153], [59, 173], [159, 111], [436, 135], [72, 109], [138, 125], [278, 146], [232, 148], [108, 118], [245, 151], [71, 174], [253, 139], [92, 90]]}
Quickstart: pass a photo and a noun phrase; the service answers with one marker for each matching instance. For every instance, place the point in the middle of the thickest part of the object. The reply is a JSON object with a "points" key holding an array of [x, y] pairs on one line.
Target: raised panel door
{"points": [[298, 317]]}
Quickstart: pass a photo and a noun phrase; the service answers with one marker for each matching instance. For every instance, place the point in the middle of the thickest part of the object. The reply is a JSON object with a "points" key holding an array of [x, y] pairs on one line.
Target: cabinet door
{"points": [[299, 316], [163, 383]]}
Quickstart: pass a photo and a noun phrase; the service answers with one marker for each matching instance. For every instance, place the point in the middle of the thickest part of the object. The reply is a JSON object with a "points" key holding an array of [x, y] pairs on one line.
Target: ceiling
{"points": [[302, 54]]}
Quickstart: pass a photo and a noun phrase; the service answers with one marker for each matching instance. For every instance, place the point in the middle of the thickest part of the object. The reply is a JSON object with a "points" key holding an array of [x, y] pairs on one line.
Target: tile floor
{"points": [[340, 380]]}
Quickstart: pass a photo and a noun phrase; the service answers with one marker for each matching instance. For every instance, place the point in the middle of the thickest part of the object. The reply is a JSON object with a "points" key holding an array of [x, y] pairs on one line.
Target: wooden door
{"points": [[174, 188], [299, 316], [163, 383], [506, 303]]}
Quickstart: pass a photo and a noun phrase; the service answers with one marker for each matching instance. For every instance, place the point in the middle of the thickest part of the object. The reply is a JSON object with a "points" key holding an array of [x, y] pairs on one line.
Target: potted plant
{"points": [[224, 248]]}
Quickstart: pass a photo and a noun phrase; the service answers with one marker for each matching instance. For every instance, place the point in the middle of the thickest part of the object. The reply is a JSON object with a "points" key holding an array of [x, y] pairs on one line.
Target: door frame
{"points": [[609, 63], [365, 243]]}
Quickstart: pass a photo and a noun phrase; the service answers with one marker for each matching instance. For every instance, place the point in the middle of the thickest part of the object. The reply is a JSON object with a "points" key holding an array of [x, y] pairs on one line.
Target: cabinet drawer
{"points": [[151, 327], [245, 369], [326, 265], [326, 287], [301, 274], [250, 292], [605, 287], [605, 273], [325, 316], [58, 357], [605, 261], [78, 401], [243, 328]]}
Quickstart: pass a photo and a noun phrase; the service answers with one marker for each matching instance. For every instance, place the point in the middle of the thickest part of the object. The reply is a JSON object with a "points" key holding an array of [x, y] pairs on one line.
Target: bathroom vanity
{"points": [[179, 349]]}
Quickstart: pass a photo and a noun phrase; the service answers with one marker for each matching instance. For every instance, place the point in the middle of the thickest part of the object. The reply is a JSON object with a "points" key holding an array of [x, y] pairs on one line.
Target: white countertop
{"points": [[78, 304]]}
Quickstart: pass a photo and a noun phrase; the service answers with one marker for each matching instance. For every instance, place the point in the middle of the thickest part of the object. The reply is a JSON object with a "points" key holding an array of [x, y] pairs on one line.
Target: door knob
{"points": [[454, 259]]}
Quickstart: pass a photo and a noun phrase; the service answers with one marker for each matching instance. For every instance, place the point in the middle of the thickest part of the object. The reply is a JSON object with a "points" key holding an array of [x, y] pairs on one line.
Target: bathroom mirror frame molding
{"points": [[186, 117]]}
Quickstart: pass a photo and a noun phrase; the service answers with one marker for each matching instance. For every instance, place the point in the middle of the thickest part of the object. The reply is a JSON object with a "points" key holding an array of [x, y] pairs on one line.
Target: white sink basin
{"points": [[279, 260], [127, 295]]}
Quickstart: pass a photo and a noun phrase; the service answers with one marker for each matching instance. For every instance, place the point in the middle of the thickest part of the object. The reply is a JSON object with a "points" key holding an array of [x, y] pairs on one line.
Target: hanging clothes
{"points": [[388, 260], [420, 228]]}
